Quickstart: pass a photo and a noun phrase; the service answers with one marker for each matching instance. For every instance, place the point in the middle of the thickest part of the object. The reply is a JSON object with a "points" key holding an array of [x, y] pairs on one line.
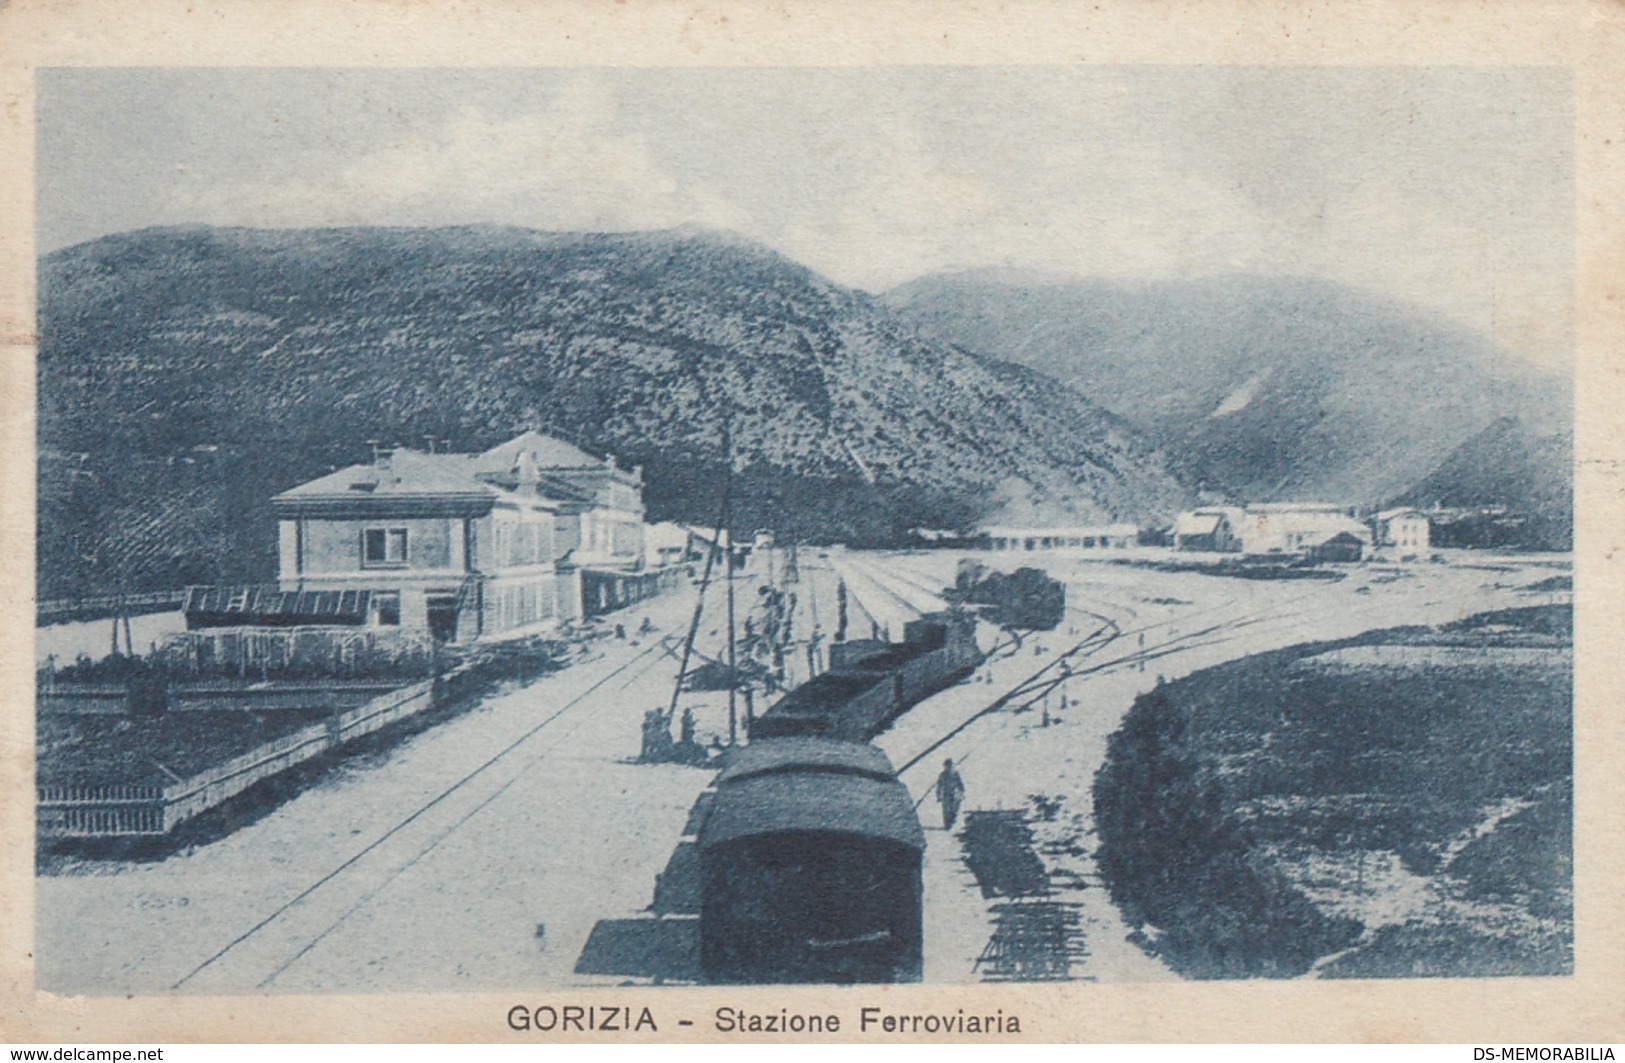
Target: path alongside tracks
{"points": [[430, 870], [479, 854]]}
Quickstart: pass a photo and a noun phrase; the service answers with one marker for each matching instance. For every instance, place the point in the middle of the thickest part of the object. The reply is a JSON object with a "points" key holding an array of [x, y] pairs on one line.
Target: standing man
{"points": [[950, 794]]}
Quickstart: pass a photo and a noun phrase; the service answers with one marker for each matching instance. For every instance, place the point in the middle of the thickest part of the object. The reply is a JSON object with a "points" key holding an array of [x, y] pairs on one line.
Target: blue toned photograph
{"points": [[541, 528]]}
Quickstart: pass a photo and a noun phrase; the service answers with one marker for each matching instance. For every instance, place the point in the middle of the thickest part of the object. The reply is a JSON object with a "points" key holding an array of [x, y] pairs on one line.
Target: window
{"points": [[383, 548], [389, 609]]}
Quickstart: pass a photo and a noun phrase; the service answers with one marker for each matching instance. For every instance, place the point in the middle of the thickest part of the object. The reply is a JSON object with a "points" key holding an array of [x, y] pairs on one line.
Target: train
{"points": [[870, 683], [810, 847], [810, 868]]}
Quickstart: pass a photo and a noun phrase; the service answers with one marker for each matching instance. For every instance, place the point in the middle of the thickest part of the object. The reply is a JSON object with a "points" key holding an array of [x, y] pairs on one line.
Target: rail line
{"points": [[355, 858], [901, 573], [1031, 688], [1107, 633], [854, 572], [883, 578], [431, 846], [1036, 685]]}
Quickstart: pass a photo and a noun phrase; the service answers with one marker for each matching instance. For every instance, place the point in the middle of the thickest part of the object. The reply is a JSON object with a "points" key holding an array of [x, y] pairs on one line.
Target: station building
{"points": [[466, 546]]}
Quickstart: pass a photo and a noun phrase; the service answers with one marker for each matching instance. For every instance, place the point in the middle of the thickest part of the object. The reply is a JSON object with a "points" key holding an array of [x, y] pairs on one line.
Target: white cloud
{"points": [[873, 183], [564, 168]]}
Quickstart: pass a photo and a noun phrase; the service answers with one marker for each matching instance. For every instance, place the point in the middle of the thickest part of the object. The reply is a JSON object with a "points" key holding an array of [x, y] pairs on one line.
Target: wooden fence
{"points": [[114, 811], [214, 696], [57, 610]]}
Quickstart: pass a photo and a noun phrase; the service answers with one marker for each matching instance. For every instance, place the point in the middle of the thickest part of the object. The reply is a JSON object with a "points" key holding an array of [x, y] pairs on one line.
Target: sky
{"points": [[1451, 189]]}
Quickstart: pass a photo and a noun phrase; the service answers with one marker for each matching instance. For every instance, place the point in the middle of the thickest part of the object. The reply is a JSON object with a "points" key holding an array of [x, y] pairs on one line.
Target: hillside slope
{"points": [[1507, 465], [186, 375], [1259, 388]]}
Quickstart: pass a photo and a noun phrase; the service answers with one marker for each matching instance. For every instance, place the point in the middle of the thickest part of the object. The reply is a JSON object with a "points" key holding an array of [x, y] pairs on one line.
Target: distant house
{"points": [[667, 544], [468, 545], [1404, 529], [1098, 537], [1215, 528], [703, 541], [1342, 547], [1299, 528]]}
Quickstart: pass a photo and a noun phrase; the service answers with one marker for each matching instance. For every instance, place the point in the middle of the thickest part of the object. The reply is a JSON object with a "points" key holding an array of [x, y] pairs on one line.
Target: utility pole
{"points": [[733, 651]]}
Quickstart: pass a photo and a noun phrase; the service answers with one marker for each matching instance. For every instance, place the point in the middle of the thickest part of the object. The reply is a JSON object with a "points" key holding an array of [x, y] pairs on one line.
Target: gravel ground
{"points": [[481, 853]]}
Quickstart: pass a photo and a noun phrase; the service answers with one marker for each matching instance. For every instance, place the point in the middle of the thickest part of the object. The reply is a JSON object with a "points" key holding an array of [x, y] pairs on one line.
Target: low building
{"points": [[667, 544], [1098, 537], [1211, 528], [1407, 530], [468, 545], [1342, 547], [1299, 528], [703, 541]]}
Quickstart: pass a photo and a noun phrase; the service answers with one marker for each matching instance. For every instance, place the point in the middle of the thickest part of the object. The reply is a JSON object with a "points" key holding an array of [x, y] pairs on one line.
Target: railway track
{"points": [[916, 593], [364, 875], [1069, 664], [337, 879]]}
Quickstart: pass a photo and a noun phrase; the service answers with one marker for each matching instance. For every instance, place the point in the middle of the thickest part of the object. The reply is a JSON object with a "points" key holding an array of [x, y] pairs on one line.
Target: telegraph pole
{"points": [[727, 520]]}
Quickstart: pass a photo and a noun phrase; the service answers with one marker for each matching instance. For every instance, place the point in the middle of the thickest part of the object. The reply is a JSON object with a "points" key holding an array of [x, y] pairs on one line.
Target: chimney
{"points": [[428, 442], [528, 472], [373, 445]]}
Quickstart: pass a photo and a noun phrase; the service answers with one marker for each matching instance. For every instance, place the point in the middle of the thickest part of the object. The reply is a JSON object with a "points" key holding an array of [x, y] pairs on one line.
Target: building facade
{"points": [[1407, 530], [1100, 537], [1211, 528], [1324, 531], [465, 545]]}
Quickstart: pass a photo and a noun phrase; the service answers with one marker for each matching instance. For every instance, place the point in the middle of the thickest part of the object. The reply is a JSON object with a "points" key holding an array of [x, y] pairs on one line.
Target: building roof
{"points": [[468, 479], [1197, 523], [407, 472], [666, 535], [1297, 507], [1098, 531], [1322, 524], [545, 451], [1404, 511], [269, 604]]}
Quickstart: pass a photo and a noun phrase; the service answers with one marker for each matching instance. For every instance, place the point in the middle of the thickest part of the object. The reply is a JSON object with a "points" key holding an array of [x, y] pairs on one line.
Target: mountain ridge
{"points": [[1258, 389], [186, 374]]}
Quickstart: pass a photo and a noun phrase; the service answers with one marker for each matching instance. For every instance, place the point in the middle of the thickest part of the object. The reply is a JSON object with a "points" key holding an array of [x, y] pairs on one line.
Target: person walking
{"points": [[950, 793]]}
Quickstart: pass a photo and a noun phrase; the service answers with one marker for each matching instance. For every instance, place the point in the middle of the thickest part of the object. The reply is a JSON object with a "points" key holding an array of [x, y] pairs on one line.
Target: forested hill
{"points": [[188, 374]]}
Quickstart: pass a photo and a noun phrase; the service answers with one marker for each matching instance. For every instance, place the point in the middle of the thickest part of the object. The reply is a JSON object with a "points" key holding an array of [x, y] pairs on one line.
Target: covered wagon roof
{"points": [[816, 754], [811, 785]]}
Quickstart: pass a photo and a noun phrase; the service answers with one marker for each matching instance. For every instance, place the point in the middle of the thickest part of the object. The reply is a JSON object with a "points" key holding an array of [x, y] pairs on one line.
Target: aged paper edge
{"points": [[1582, 37]]}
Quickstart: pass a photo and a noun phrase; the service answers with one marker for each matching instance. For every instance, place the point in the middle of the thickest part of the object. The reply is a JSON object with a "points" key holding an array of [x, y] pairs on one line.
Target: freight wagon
{"points": [[869, 683], [810, 868]]}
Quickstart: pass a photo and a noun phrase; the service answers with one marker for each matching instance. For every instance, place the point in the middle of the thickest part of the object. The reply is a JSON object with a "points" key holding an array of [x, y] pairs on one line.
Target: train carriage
{"points": [[810, 868], [871, 683]]}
